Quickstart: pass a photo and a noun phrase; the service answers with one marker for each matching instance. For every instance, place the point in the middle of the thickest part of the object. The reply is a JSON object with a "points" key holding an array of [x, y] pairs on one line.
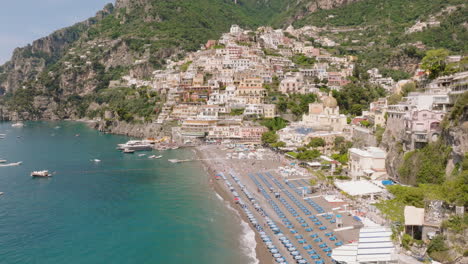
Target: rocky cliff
{"points": [[28, 62]]}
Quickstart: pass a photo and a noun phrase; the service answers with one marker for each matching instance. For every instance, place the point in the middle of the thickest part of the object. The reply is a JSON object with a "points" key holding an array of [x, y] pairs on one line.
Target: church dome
{"points": [[329, 101]]}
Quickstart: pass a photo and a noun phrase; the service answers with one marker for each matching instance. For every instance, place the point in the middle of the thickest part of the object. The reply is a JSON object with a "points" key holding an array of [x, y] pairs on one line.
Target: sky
{"points": [[23, 21]]}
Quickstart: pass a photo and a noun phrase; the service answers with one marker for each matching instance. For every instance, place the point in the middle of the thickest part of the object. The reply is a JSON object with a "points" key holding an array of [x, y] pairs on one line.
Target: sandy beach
{"points": [[214, 158]]}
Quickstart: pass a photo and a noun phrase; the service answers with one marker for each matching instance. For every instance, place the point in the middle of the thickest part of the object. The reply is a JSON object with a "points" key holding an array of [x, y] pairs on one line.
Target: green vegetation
{"points": [[129, 104], [184, 67], [308, 154], [379, 131], [426, 165], [316, 142], [456, 223], [303, 60], [269, 138], [355, 97], [237, 111], [274, 124], [298, 104], [434, 62]]}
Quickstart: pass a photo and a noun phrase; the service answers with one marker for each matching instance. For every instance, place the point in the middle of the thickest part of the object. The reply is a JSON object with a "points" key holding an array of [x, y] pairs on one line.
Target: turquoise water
{"points": [[126, 209]]}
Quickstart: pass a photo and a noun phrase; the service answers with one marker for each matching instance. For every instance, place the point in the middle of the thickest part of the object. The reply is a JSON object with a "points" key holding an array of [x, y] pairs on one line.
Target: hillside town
{"points": [[227, 92]]}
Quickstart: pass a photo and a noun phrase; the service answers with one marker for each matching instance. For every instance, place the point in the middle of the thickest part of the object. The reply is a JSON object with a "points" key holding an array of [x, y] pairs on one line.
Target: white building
{"points": [[369, 162]]}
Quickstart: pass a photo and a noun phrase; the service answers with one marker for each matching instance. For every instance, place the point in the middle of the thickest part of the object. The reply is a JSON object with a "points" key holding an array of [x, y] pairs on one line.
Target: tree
{"points": [[309, 155], [408, 88], [436, 244], [434, 62], [275, 124], [269, 137], [316, 142], [365, 123], [394, 99], [279, 144]]}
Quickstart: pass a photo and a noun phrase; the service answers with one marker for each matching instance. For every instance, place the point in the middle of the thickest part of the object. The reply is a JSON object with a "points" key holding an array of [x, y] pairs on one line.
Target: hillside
{"points": [[137, 37]]}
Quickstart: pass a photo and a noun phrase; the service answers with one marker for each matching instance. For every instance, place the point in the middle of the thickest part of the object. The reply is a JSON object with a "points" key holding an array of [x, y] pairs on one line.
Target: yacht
{"points": [[44, 173], [136, 145]]}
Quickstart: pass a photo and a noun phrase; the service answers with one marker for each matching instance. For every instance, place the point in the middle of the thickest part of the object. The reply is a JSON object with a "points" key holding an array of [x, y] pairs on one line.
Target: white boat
{"points": [[141, 155], [17, 124], [44, 173], [136, 145], [96, 160], [128, 151], [11, 164], [155, 157], [1, 193], [3, 161]]}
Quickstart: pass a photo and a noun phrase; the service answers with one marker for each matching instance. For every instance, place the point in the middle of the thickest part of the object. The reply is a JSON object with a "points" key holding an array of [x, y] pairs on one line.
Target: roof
{"points": [[375, 244], [361, 187], [414, 216]]}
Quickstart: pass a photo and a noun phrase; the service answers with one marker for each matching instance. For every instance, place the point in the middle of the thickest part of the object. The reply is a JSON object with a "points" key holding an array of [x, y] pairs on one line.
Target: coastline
{"points": [[262, 253], [263, 256]]}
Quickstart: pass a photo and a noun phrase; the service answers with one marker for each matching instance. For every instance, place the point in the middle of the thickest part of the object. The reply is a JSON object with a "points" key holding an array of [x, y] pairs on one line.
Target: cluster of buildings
{"points": [[228, 77], [417, 119]]}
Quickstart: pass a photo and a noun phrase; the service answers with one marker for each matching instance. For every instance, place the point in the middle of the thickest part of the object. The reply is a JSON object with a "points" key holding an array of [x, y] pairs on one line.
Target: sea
{"points": [[125, 209]]}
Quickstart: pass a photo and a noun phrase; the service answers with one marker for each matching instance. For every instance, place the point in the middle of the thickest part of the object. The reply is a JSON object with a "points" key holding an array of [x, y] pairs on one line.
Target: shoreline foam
{"points": [[261, 252]]}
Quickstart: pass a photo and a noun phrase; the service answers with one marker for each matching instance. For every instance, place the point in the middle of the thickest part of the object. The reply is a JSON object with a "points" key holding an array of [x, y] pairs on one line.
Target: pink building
{"points": [[424, 126]]}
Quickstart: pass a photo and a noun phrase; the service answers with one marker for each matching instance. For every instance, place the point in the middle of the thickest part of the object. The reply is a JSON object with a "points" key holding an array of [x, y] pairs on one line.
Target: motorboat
{"points": [[17, 124], [44, 173], [155, 157], [96, 160], [136, 145], [3, 161], [141, 155], [128, 151]]}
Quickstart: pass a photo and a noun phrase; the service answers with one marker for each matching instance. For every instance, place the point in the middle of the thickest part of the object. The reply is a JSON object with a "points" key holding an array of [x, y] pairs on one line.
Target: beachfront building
{"points": [[237, 133], [368, 162], [325, 115]]}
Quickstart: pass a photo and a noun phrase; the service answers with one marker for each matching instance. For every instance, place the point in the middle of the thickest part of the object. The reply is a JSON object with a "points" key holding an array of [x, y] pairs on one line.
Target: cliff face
{"points": [[28, 62], [328, 4], [454, 135]]}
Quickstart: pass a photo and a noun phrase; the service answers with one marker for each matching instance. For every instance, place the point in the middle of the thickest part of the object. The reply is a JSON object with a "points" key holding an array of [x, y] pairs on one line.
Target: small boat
{"points": [[128, 151], [141, 155], [175, 148], [96, 160], [44, 173], [155, 157], [77, 135], [17, 124], [11, 164], [1, 193], [3, 161]]}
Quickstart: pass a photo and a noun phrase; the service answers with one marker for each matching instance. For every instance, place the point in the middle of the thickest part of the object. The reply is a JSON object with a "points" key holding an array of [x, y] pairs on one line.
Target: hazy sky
{"points": [[22, 21]]}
